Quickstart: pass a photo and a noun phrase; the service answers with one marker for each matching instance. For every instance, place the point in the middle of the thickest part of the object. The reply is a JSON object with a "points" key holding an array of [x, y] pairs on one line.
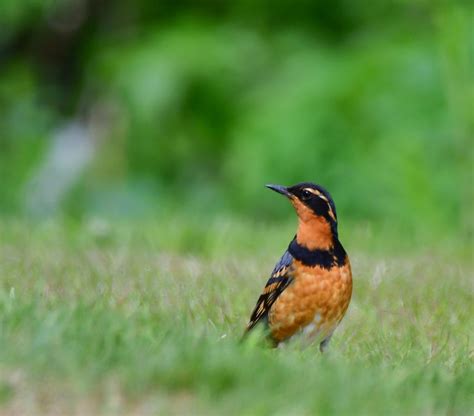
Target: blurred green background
{"points": [[136, 234], [146, 109]]}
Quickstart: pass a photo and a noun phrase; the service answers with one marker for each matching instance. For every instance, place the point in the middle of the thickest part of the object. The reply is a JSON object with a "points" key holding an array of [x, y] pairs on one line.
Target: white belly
{"points": [[313, 333]]}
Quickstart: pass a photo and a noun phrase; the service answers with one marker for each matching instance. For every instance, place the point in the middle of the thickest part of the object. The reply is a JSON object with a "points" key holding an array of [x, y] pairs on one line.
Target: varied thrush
{"points": [[310, 287]]}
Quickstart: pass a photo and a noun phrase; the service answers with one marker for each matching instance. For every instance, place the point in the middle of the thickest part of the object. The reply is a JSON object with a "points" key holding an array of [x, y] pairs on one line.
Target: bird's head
{"points": [[316, 213]]}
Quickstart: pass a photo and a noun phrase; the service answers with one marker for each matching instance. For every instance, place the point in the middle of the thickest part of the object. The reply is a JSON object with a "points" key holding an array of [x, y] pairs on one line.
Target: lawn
{"points": [[108, 318]]}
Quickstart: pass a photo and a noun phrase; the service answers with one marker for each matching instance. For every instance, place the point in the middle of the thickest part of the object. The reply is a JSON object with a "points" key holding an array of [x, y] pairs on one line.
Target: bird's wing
{"points": [[278, 282]]}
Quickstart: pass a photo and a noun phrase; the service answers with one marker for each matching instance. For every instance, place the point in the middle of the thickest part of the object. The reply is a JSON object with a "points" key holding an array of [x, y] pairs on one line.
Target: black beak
{"points": [[280, 189]]}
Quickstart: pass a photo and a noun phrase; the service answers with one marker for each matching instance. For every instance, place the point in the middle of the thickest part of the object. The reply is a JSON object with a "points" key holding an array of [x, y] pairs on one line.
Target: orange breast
{"points": [[317, 296]]}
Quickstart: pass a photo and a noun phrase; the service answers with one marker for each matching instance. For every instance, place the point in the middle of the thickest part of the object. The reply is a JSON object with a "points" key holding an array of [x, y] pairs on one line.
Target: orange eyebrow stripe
{"points": [[317, 193], [331, 213], [313, 191]]}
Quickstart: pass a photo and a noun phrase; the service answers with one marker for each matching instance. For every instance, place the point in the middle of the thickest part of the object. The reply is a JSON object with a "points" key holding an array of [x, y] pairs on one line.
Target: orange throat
{"points": [[314, 233]]}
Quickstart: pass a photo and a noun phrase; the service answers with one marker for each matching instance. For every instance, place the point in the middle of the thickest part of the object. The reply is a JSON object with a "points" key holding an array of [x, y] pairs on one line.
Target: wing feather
{"points": [[278, 282]]}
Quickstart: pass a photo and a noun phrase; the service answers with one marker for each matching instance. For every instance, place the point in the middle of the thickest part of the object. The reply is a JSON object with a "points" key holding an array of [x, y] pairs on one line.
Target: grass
{"points": [[104, 318]]}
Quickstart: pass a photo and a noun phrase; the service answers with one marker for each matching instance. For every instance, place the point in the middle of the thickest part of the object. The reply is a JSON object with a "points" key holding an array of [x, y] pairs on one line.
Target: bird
{"points": [[310, 288]]}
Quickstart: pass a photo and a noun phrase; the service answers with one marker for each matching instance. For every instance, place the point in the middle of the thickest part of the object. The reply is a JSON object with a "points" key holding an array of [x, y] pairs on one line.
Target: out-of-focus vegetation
{"points": [[116, 323], [146, 131], [194, 106]]}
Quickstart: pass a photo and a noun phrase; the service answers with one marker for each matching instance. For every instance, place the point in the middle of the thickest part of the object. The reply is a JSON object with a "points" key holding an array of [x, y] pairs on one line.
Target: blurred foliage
{"points": [[197, 105]]}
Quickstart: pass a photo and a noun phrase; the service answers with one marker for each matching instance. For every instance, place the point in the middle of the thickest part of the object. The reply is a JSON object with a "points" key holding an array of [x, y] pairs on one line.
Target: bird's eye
{"points": [[306, 194]]}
